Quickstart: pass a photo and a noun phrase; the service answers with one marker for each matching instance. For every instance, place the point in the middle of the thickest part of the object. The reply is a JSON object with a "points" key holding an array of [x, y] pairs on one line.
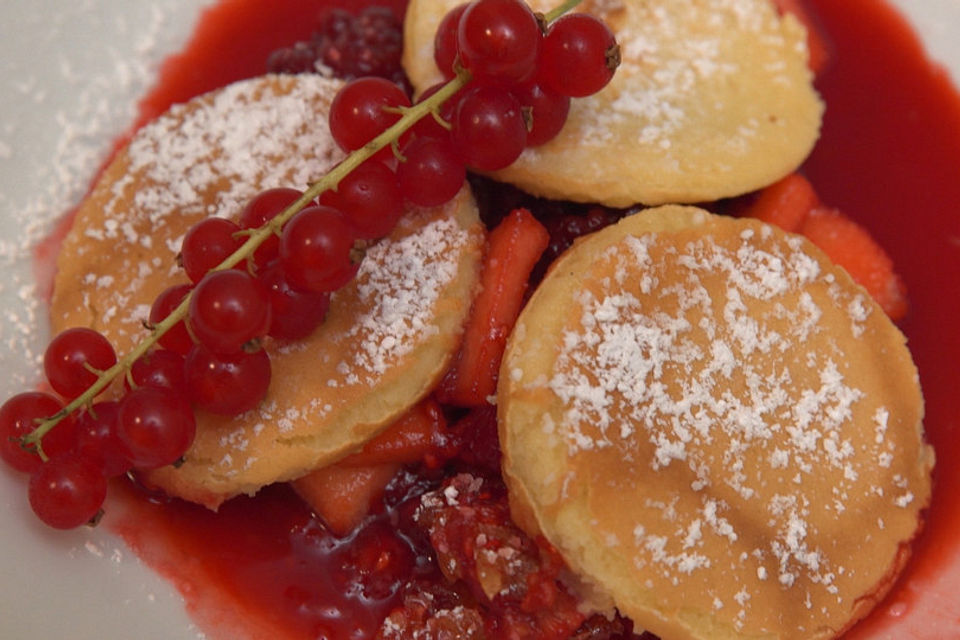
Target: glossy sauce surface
{"points": [[888, 157]]}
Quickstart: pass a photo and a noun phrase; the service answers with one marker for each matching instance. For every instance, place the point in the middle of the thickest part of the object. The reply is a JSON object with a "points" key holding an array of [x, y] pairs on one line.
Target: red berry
{"points": [[499, 41], [97, 440], [177, 338], [579, 56], [375, 564], [227, 385], [428, 127], [155, 427], [67, 492], [18, 417], [229, 309], [295, 314], [62, 438], [489, 131], [445, 41], [207, 244], [72, 357], [363, 109], [432, 173], [548, 112], [265, 207], [159, 368], [369, 198], [315, 250]]}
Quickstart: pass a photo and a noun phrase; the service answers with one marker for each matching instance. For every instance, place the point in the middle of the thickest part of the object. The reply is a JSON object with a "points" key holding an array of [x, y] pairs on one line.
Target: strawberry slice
{"points": [[785, 203], [852, 247]]}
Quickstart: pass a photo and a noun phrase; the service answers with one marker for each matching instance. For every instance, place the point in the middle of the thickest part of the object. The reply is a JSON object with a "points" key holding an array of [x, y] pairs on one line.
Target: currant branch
{"points": [[410, 116], [564, 8]]}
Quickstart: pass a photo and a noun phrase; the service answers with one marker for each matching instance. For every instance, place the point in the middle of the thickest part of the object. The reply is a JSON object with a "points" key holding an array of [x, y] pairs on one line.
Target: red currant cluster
{"points": [[271, 273], [210, 353], [524, 74]]}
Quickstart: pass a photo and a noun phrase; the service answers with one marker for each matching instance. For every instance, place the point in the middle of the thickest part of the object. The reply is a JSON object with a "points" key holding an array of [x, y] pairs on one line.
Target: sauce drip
{"points": [[888, 157]]}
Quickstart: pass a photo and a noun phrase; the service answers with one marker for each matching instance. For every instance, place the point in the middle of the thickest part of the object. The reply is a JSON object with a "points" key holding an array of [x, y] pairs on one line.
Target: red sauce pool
{"points": [[888, 157]]}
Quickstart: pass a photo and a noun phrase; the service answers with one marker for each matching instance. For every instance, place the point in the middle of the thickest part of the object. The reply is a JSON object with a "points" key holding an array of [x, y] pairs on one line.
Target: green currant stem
{"points": [[556, 12], [409, 117]]}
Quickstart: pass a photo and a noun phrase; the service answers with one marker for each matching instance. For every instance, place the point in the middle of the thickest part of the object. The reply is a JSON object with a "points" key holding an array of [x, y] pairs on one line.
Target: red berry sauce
{"points": [[267, 563], [264, 567]]}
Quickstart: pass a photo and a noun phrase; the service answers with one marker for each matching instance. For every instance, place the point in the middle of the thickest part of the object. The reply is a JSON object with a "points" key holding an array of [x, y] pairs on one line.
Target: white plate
{"points": [[69, 77]]}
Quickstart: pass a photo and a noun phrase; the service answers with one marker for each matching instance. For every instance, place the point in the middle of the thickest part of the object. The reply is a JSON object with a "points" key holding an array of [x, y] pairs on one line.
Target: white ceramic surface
{"points": [[70, 71]]}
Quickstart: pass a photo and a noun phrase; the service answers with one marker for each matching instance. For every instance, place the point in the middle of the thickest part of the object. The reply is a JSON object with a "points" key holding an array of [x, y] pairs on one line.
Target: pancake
{"points": [[388, 336], [712, 99], [716, 428]]}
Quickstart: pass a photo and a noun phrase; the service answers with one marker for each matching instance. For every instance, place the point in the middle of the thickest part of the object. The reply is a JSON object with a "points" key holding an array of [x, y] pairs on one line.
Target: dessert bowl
{"points": [[72, 77]]}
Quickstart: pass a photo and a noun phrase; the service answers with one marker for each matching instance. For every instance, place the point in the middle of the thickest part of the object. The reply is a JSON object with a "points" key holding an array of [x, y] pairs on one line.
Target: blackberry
{"points": [[348, 46], [565, 221], [565, 229]]}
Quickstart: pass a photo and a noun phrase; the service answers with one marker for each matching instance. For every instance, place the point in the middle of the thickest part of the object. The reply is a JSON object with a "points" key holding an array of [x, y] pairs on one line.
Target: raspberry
{"points": [[350, 46]]}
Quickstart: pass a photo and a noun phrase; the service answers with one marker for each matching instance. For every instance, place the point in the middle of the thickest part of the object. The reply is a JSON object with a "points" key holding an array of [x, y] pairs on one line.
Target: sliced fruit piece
{"points": [[852, 247], [514, 248], [786, 203], [342, 495]]}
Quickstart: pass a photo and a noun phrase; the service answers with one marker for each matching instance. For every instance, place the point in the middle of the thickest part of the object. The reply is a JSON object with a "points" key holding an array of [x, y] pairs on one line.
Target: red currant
{"points": [[295, 314], [579, 56], [428, 126], [159, 368], [62, 438], [177, 338], [97, 440], [432, 173], [315, 250], [489, 131], [67, 492], [265, 207], [499, 41], [18, 417], [445, 41], [155, 427], [548, 112], [207, 244], [227, 385], [369, 198], [363, 109], [229, 309], [73, 358]]}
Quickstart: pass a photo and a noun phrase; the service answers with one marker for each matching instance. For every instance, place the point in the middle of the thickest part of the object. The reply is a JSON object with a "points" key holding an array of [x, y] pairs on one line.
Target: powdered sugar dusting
{"points": [[237, 141], [87, 98], [72, 72], [400, 283]]}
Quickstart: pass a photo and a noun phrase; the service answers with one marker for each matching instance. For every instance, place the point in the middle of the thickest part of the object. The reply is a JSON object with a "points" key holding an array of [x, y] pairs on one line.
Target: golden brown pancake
{"points": [[713, 99], [389, 333], [718, 430]]}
